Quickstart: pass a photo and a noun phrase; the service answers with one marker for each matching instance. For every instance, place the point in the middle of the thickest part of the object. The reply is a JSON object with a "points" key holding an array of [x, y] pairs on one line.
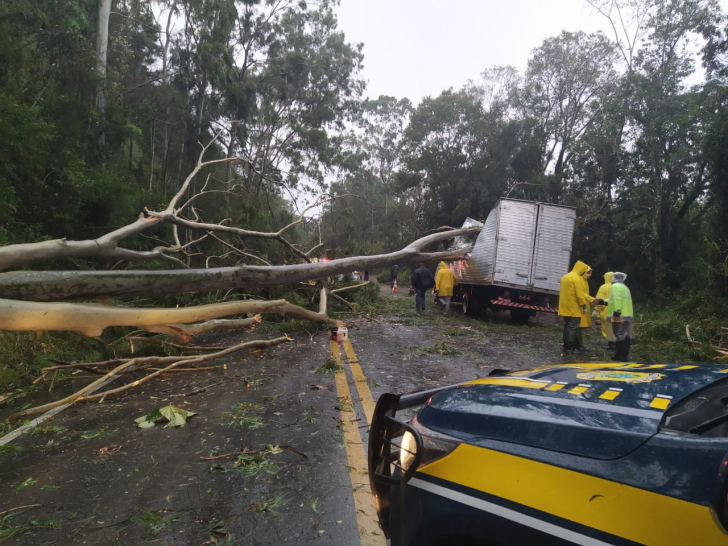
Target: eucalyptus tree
{"points": [[564, 78], [668, 173], [367, 159], [458, 157], [306, 90]]}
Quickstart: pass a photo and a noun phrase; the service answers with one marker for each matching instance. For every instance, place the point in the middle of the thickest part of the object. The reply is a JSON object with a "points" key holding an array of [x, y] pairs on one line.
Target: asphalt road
{"points": [[276, 452]]}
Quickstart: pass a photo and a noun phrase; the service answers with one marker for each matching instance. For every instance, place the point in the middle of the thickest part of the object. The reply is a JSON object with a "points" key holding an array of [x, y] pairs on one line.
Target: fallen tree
{"points": [[63, 285], [39, 300]]}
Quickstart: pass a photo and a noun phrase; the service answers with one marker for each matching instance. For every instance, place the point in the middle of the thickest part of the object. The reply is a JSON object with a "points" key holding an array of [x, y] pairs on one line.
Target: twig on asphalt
{"points": [[200, 390], [19, 508], [219, 456], [290, 448]]}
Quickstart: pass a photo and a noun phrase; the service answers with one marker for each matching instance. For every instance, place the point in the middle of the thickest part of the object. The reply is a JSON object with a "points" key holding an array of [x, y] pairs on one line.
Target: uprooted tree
{"points": [[39, 300]]}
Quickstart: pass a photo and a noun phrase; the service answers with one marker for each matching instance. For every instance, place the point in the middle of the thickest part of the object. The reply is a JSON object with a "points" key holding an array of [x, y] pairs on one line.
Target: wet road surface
{"points": [[276, 452]]}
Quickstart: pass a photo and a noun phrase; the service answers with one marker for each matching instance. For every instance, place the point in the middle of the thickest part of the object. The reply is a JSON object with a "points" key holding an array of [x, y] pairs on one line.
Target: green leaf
{"points": [[174, 416]]}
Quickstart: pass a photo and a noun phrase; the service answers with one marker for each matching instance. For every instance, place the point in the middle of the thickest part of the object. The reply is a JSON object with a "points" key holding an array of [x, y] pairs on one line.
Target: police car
{"points": [[592, 454]]}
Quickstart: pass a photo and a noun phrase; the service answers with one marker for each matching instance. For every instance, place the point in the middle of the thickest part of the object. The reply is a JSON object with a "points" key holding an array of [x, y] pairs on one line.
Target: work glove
{"points": [[617, 314], [598, 301]]}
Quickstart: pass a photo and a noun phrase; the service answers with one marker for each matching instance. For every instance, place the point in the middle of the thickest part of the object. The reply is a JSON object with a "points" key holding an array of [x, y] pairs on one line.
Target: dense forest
{"points": [[103, 104]]}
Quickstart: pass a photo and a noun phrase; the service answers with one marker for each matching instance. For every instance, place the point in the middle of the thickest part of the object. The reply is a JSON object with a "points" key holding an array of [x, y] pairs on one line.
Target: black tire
{"points": [[520, 316], [468, 307]]}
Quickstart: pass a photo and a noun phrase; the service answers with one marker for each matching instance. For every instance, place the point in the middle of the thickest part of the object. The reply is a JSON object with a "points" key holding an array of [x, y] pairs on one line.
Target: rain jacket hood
{"points": [[445, 280], [580, 268], [573, 294], [620, 298], [608, 277]]}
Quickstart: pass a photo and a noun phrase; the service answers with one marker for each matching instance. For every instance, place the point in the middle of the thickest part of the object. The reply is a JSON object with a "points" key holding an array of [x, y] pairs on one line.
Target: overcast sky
{"points": [[416, 48]]}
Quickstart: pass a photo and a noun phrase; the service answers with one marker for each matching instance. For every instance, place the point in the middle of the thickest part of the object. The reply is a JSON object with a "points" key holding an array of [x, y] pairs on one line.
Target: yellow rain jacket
{"points": [[571, 294], [445, 280], [586, 318], [603, 294]]}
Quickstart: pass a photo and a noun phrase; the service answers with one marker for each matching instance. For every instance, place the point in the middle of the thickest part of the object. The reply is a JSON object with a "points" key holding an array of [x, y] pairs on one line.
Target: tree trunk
{"points": [[90, 319], [102, 45], [62, 285]]}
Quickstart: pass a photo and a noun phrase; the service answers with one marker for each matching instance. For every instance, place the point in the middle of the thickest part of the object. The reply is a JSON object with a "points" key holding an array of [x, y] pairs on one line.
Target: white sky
{"points": [[416, 48]]}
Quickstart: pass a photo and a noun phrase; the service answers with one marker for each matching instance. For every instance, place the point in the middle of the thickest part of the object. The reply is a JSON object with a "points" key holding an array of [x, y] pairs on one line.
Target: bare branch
{"points": [[183, 333], [81, 394]]}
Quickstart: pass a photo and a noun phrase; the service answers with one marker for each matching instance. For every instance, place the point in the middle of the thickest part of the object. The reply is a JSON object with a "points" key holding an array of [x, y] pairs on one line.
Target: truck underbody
{"points": [[522, 304]]}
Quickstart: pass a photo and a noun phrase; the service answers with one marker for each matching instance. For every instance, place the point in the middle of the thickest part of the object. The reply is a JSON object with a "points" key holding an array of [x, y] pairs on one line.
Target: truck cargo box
{"points": [[523, 244]]}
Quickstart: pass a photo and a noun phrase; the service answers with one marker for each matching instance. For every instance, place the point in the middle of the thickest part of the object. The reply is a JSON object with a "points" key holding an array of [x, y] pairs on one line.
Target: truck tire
{"points": [[468, 308], [520, 316]]}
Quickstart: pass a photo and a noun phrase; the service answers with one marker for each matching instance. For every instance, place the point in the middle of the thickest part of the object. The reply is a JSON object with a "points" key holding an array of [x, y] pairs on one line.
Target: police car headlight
{"points": [[407, 451], [435, 445]]}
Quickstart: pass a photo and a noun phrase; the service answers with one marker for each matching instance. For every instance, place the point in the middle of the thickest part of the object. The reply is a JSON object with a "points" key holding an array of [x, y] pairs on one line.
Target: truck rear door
{"points": [[554, 233], [515, 239]]}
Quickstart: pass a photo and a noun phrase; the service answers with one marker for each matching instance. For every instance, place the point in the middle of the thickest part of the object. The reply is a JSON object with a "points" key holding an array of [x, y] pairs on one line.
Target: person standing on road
{"points": [[603, 294], [393, 275], [586, 318], [445, 281], [621, 315], [422, 280], [572, 305]]}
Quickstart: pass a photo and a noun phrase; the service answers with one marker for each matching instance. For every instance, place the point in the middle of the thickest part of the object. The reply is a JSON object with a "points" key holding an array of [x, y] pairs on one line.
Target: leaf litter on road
{"points": [[174, 417]]}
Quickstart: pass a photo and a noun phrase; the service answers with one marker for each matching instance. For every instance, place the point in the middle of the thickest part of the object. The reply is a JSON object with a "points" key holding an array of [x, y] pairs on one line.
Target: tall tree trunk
{"points": [[102, 45], [165, 80]]}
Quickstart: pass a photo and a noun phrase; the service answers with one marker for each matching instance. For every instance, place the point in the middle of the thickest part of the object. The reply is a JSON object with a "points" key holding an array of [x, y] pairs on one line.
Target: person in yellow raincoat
{"points": [[445, 281], [586, 318], [603, 294], [573, 300]]}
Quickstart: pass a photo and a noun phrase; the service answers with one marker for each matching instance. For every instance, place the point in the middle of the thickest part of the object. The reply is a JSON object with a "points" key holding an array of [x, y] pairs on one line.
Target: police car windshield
{"points": [[704, 412]]}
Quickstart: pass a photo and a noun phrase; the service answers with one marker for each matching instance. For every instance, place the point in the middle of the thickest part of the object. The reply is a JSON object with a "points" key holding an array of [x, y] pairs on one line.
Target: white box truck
{"points": [[517, 260]]}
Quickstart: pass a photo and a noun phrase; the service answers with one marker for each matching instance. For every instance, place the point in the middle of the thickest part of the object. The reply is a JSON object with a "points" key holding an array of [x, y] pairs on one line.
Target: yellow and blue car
{"points": [[590, 454]]}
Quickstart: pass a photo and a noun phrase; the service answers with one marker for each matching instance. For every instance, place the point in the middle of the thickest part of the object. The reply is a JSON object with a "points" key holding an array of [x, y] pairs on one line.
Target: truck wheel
{"points": [[520, 316], [468, 308]]}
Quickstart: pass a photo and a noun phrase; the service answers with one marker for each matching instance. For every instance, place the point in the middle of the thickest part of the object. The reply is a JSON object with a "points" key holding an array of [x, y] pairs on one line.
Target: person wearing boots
{"points": [[586, 318], [422, 280], [620, 314], [445, 281], [393, 276], [603, 293], [573, 305]]}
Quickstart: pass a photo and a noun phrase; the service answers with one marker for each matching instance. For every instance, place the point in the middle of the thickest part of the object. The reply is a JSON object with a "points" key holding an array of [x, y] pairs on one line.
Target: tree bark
{"points": [[102, 46], [183, 333], [90, 319], [63, 285]]}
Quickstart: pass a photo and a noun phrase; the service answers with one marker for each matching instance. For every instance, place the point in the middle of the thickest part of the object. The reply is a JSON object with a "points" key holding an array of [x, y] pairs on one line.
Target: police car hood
{"points": [[602, 411]]}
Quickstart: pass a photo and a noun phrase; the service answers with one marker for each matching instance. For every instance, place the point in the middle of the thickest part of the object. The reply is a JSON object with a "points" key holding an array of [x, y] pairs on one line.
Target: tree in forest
{"points": [[460, 158], [374, 217], [565, 77], [668, 174]]}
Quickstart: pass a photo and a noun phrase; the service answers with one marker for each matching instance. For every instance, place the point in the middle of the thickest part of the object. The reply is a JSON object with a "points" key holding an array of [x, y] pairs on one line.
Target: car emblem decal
{"points": [[625, 376]]}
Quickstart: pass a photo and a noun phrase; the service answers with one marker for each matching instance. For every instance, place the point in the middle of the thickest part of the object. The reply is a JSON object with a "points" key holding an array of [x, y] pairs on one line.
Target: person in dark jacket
{"points": [[393, 275], [422, 280]]}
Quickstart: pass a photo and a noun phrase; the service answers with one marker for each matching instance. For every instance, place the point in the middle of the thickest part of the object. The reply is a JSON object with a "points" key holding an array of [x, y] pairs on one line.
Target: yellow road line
{"points": [[362, 387], [366, 515]]}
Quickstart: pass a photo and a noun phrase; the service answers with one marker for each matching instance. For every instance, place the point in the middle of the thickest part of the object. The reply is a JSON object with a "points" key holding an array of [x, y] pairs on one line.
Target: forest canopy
{"points": [[104, 105]]}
